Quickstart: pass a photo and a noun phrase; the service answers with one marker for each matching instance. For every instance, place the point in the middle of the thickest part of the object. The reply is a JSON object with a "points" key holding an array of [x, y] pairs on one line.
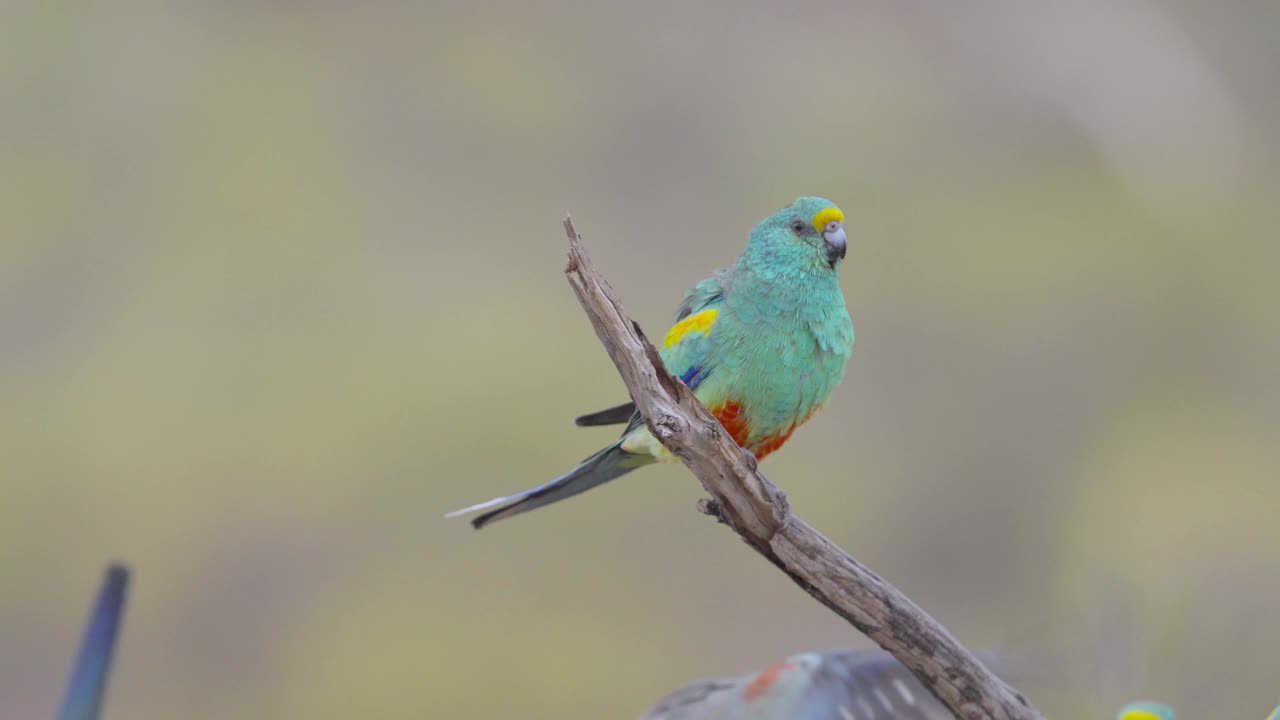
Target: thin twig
{"points": [[758, 512]]}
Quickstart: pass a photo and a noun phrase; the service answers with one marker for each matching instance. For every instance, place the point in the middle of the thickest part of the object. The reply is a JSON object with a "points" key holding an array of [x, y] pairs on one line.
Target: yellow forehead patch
{"points": [[825, 216], [1140, 715], [698, 322]]}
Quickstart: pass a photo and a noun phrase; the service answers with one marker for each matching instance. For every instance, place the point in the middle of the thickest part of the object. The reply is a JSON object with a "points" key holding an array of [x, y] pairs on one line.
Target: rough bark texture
{"points": [[745, 500]]}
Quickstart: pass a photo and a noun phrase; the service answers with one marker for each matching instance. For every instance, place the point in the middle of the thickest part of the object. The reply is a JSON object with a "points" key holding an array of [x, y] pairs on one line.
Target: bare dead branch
{"points": [[759, 513]]}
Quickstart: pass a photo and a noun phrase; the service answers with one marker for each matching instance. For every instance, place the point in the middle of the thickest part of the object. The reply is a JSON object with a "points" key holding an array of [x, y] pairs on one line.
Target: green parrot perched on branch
{"points": [[761, 344]]}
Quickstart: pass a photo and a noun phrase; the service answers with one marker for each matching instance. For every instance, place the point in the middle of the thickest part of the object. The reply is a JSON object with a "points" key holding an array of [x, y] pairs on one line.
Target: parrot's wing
{"points": [[83, 697], [706, 293], [681, 351]]}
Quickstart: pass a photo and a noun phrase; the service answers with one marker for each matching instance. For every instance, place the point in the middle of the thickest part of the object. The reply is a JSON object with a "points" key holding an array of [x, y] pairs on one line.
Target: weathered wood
{"points": [[758, 512]]}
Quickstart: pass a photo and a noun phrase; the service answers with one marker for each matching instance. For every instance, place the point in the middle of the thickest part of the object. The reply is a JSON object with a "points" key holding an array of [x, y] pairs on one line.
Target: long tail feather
{"points": [[88, 684], [615, 415], [606, 465]]}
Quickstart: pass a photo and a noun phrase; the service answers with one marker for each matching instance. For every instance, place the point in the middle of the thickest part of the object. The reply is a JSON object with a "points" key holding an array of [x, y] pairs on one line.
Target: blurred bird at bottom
{"points": [[841, 685], [1146, 711], [82, 699], [1156, 711]]}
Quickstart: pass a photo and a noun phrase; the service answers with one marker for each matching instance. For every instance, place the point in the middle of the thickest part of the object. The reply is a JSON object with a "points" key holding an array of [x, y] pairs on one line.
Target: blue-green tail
{"points": [[608, 464]]}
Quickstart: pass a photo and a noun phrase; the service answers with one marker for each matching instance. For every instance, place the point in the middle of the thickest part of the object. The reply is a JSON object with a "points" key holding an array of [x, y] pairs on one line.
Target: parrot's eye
{"points": [[797, 226]]}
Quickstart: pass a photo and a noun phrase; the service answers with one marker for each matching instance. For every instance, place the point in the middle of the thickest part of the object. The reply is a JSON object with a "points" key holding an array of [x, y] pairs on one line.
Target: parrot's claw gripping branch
{"points": [[759, 513]]}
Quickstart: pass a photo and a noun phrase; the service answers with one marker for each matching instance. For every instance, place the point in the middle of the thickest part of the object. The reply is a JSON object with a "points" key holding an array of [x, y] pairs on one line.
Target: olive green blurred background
{"points": [[280, 284]]}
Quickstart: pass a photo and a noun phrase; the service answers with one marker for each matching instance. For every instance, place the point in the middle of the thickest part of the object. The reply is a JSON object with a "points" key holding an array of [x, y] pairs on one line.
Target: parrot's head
{"points": [[808, 232], [1146, 711]]}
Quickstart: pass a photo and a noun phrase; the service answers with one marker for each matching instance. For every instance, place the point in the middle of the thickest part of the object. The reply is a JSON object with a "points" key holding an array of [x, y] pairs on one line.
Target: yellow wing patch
{"points": [[1140, 715], [698, 322]]}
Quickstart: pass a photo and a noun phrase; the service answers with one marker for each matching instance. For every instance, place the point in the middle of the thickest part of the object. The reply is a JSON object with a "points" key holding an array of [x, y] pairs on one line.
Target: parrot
{"points": [[1155, 711], [82, 699], [1146, 710], [762, 344], [838, 685]]}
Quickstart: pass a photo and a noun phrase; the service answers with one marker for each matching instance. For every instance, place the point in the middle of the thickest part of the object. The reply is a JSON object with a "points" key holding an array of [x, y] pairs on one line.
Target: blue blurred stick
{"points": [[83, 697]]}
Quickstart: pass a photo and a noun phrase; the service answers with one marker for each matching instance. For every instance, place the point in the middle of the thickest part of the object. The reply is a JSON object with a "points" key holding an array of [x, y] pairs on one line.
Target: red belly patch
{"points": [[773, 442], [731, 417]]}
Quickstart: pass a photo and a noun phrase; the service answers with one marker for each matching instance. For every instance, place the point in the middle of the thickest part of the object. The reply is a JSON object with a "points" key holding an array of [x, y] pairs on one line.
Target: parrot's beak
{"points": [[835, 243]]}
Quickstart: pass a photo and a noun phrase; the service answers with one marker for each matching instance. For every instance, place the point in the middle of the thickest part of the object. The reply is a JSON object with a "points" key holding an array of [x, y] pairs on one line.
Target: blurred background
{"points": [[280, 284]]}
